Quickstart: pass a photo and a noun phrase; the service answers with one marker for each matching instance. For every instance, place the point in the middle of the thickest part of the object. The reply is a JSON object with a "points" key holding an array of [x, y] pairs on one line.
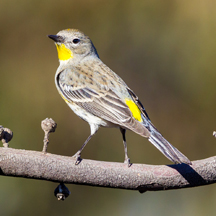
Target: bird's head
{"points": [[73, 44]]}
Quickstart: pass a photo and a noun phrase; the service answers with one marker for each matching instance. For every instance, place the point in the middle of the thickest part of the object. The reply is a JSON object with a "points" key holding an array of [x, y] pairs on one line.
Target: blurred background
{"points": [[164, 50]]}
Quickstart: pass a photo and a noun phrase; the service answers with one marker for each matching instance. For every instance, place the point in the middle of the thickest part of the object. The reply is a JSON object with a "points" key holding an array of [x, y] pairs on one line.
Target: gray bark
{"points": [[141, 177]]}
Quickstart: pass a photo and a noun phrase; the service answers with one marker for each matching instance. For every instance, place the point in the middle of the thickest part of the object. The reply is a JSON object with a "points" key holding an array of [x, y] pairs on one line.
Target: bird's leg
{"points": [[78, 154], [127, 159], [94, 128]]}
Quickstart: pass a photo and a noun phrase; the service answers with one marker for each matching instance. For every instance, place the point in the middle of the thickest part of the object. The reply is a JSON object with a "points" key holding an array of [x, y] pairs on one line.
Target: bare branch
{"points": [[56, 168]]}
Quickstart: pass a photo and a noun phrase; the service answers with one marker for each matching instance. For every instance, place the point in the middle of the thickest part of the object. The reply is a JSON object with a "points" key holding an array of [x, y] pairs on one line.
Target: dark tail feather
{"points": [[166, 148]]}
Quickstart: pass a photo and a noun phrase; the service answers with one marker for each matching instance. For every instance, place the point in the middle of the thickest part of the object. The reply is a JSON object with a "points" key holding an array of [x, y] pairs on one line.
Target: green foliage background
{"points": [[164, 50]]}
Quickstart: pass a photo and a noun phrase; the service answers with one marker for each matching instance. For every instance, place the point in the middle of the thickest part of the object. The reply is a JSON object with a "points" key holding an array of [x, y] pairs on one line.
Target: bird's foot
{"points": [[127, 161], [78, 158]]}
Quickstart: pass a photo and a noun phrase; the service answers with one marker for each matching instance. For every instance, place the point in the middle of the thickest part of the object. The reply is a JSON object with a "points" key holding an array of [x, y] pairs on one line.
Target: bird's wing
{"points": [[101, 102]]}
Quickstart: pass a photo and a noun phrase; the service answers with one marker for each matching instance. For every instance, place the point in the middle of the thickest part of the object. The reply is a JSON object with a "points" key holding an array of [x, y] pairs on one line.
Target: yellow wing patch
{"points": [[134, 109], [63, 52]]}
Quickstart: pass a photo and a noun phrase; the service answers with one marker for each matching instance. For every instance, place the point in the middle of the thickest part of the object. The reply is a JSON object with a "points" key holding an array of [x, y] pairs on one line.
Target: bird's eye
{"points": [[76, 40]]}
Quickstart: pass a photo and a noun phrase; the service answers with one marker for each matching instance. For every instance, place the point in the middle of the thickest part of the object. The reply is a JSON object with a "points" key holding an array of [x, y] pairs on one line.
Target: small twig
{"points": [[48, 126]]}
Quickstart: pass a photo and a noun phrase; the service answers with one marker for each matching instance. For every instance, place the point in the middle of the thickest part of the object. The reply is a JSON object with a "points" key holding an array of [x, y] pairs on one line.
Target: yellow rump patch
{"points": [[63, 52], [134, 109]]}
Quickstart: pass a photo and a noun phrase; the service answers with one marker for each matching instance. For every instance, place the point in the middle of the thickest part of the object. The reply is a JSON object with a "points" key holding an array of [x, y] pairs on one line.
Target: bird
{"points": [[100, 97]]}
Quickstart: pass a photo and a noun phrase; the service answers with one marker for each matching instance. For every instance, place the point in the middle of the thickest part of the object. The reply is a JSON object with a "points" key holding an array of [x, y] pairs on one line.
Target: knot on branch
{"points": [[61, 192], [5, 136]]}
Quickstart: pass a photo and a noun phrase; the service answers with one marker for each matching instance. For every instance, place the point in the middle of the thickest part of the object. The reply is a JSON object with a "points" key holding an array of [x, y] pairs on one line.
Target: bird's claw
{"points": [[78, 158], [127, 161]]}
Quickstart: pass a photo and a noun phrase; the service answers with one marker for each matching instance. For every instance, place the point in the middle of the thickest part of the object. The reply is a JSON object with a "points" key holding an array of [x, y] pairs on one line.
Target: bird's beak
{"points": [[56, 38]]}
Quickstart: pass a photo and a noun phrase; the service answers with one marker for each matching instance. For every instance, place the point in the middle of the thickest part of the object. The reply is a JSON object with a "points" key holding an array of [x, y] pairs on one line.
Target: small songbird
{"points": [[99, 96]]}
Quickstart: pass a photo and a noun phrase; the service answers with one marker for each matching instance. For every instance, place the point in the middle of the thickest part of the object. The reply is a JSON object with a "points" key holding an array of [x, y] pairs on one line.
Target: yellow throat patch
{"points": [[63, 52], [134, 109]]}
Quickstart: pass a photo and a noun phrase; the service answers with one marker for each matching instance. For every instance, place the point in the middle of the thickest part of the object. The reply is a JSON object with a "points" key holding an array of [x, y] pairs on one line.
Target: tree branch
{"points": [[56, 168]]}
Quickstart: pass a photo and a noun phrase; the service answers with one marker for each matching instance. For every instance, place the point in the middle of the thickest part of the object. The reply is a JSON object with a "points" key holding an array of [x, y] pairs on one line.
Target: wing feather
{"points": [[104, 104]]}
